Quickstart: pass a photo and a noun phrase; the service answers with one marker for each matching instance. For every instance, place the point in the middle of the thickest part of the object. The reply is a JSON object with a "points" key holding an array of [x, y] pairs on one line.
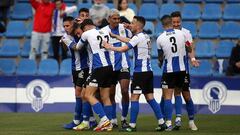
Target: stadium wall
{"points": [[211, 95]]}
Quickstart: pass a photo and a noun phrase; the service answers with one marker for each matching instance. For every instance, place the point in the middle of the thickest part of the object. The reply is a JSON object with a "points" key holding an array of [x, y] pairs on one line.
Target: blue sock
{"points": [[78, 109], [86, 111], [178, 106], [156, 108], [108, 111], [190, 109], [98, 109], [162, 106], [114, 115], [125, 107], [134, 111], [168, 108]]}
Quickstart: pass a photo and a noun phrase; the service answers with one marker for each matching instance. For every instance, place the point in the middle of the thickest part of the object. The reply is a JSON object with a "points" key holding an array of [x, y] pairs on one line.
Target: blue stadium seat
{"points": [[191, 12], [149, 28], [209, 30], [157, 71], [7, 66], [205, 69], [192, 1], [149, 10], [10, 48], [66, 67], [70, 1], [15, 29], [192, 27], [154, 50], [26, 67], [26, 48], [84, 5], [158, 29], [149, 1], [110, 5], [48, 67], [168, 9], [212, 12], [22, 11], [23, 1], [233, 1], [205, 49], [29, 29], [230, 30], [224, 49], [133, 7], [214, 1], [231, 12]]}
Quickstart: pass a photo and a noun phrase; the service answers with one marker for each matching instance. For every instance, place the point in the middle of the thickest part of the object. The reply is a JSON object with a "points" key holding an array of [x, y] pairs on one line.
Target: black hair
{"points": [[140, 19], [86, 22], [68, 18], [83, 10], [176, 14], [166, 20]]}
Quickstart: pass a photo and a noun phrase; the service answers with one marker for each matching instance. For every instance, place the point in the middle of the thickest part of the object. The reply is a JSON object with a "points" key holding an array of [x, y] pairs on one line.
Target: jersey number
{"points": [[101, 40], [174, 45]]}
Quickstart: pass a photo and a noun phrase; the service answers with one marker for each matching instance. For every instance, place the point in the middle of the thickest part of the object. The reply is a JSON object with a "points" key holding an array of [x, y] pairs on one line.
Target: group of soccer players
{"points": [[100, 60]]}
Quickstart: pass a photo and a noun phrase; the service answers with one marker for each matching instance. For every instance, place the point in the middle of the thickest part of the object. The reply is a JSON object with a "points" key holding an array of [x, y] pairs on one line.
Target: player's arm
{"points": [[160, 57], [118, 49], [67, 42], [122, 39]]}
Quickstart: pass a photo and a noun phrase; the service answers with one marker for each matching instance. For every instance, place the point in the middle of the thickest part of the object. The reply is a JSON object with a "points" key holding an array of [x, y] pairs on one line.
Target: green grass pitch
{"points": [[51, 124]]}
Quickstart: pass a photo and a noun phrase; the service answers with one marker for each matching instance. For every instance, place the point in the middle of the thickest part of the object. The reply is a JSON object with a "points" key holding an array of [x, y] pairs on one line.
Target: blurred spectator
{"points": [[99, 13], [57, 27], [4, 7], [41, 27], [83, 14], [234, 62], [125, 11]]}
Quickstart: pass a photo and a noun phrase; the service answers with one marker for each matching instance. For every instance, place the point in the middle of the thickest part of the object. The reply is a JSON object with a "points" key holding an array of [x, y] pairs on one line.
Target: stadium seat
{"points": [[154, 50], [230, 30], [205, 69], [209, 30], [133, 7], [21, 11], [214, 1], [192, 1], [224, 49], [48, 67], [26, 67], [66, 67], [168, 9], [10, 48], [110, 5], [192, 27], [149, 10], [191, 12], [29, 29], [84, 5], [205, 49], [70, 1], [149, 28], [157, 71], [158, 29], [23, 1], [231, 12], [233, 1], [7, 66], [149, 1], [26, 48], [212, 12], [15, 29]]}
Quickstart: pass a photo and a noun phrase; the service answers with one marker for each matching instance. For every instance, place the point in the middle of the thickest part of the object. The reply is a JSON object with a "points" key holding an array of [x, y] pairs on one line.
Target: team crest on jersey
{"points": [[214, 93], [37, 93]]}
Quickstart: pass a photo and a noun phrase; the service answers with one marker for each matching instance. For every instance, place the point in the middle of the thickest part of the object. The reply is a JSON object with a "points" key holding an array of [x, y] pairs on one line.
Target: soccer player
{"points": [[80, 69], [172, 45], [176, 21], [142, 82], [121, 65], [101, 72]]}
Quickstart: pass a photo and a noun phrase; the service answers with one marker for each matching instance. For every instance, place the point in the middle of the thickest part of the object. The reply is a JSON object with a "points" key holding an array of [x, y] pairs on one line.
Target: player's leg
{"points": [[112, 98], [124, 80], [178, 108], [162, 105]]}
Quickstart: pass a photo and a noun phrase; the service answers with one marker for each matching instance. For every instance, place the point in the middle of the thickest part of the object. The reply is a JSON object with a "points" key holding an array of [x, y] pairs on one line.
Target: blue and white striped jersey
{"points": [[141, 45], [172, 43], [119, 60], [100, 56], [79, 58]]}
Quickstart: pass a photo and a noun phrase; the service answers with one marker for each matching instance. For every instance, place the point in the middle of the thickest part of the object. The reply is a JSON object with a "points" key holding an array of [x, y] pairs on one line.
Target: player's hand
{"points": [[126, 25], [106, 45], [78, 20], [195, 62], [112, 35]]}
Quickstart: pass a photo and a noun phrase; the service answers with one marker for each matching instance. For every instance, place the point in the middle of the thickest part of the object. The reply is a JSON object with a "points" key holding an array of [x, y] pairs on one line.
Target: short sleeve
{"points": [[82, 41], [133, 42]]}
